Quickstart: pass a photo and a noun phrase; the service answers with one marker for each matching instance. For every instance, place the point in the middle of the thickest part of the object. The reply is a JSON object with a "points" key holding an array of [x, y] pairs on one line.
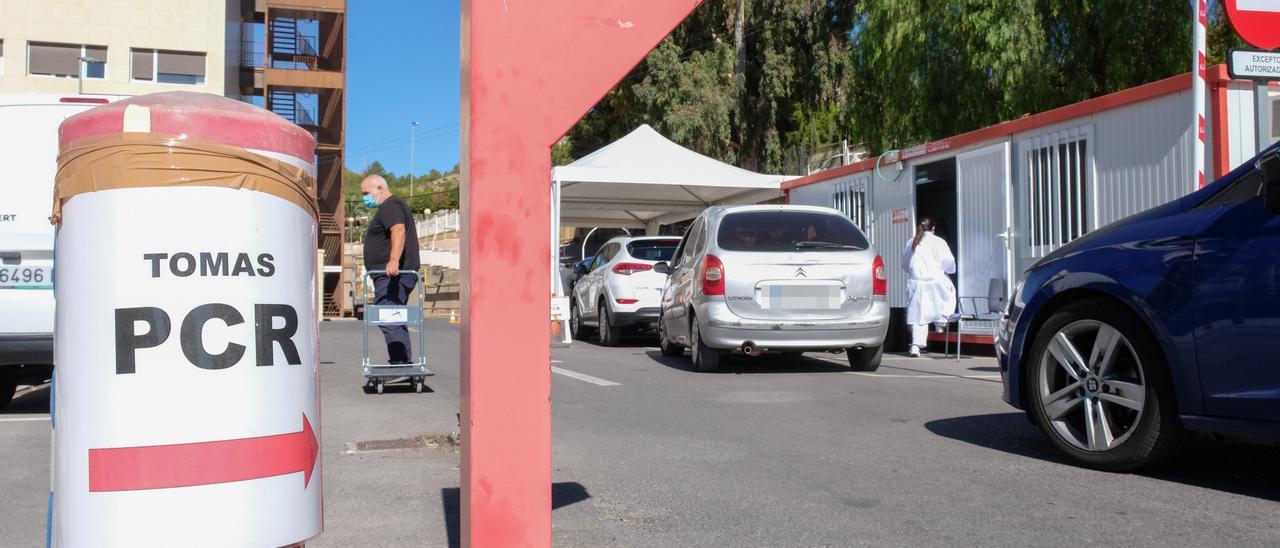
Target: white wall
{"points": [[181, 25]]}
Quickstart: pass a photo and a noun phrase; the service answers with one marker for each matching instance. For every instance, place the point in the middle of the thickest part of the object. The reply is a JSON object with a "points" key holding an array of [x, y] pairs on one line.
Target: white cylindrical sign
{"points": [[186, 404]]}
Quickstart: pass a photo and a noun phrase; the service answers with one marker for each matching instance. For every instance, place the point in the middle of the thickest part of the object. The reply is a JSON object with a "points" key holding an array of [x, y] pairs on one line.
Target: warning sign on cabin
{"points": [[900, 215]]}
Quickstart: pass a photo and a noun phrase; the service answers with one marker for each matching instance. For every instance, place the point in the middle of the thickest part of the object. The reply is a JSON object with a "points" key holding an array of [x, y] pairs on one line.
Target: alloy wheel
{"points": [[1092, 403]]}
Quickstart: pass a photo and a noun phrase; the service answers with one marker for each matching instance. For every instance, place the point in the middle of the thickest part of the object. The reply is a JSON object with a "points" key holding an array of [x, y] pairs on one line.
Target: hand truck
{"points": [[376, 375]]}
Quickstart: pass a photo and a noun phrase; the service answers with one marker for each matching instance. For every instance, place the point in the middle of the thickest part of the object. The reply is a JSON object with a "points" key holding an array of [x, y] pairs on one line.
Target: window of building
{"points": [[852, 200], [167, 67], [1056, 172], [63, 60]]}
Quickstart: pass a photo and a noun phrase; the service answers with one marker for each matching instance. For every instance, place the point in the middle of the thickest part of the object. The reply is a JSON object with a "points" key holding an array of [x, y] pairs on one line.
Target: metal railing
{"points": [[303, 116], [439, 223], [253, 54], [300, 55]]}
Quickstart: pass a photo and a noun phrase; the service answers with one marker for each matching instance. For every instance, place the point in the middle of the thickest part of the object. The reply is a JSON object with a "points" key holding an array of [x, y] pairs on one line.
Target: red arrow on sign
{"points": [[203, 463]]}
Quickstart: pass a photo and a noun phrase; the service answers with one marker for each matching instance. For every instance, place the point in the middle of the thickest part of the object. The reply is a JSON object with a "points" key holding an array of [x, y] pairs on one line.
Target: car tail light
{"points": [[712, 276], [879, 278], [627, 269], [626, 301]]}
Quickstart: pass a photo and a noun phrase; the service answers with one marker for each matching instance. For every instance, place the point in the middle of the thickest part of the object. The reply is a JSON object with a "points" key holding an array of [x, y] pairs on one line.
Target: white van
{"points": [[28, 162]]}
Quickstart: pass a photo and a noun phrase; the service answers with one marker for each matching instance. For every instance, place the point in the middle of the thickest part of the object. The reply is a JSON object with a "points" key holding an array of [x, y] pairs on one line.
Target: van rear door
{"points": [[28, 163]]}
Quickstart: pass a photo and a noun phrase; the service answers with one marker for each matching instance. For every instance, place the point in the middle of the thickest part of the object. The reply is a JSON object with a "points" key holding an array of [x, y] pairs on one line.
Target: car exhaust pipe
{"points": [[750, 349]]}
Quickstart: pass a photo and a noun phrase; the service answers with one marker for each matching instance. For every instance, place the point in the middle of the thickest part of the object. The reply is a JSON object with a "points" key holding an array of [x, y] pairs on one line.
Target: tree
{"points": [[928, 69], [764, 83], [745, 81], [375, 169], [1221, 38]]}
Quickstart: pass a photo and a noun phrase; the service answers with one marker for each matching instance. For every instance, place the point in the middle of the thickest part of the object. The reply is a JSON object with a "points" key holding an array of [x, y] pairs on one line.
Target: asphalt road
{"points": [[766, 452]]}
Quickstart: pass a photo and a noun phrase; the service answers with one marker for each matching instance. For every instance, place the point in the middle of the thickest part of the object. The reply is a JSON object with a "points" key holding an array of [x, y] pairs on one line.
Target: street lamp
{"points": [[411, 151], [80, 78]]}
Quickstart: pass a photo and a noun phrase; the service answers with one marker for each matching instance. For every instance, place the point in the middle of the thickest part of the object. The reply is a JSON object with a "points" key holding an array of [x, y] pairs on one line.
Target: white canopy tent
{"points": [[643, 181]]}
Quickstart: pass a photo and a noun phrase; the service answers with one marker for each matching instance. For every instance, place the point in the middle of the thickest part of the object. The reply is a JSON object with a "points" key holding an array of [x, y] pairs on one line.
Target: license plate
{"points": [[800, 297], [26, 277]]}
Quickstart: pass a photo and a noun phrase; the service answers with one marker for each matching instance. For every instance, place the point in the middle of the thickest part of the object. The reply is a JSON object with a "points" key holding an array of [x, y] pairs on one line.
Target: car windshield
{"points": [[653, 250], [784, 230]]}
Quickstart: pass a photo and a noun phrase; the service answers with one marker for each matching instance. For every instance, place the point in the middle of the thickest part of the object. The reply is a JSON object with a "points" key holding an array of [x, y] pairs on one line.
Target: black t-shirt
{"points": [[377, 241]]}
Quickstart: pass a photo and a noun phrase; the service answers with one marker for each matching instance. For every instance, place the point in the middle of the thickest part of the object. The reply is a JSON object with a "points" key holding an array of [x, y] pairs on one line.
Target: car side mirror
{"points": [[662, 268], [1269, 165]]}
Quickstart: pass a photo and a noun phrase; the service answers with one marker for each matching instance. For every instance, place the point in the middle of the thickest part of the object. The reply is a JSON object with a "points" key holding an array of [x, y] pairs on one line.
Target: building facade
{"points": [[292, 59], [136, 46]]}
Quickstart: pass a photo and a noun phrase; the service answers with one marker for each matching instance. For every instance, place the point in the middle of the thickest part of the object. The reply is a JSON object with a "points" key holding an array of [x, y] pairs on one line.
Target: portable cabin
{"points": [[1007, 195]]}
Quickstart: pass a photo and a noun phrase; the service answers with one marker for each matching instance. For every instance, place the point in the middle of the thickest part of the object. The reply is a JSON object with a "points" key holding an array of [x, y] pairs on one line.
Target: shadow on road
{"points": [[1237, 468], [628, 341], [562, 494], [738, 365], [29, 401]]}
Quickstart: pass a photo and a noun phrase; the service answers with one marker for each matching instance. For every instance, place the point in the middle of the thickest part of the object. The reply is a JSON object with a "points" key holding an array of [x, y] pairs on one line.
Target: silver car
{"points": [[774, 278]]}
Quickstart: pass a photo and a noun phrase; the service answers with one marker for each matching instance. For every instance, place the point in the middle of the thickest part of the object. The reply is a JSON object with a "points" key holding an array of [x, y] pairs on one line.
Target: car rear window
{"points": [[653, 250], [788, 231]]}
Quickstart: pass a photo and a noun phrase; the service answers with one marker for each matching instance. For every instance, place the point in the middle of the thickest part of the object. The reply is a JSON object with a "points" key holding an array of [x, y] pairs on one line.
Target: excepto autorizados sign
{"points": [[1249, 64]]}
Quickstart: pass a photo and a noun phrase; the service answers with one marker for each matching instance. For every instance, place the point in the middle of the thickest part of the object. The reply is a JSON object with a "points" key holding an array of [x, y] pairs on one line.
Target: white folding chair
{"points": [[992, 312]]}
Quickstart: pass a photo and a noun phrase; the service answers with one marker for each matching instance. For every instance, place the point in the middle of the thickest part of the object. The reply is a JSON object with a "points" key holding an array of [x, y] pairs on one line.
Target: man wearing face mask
{"points": [[391, 244]]}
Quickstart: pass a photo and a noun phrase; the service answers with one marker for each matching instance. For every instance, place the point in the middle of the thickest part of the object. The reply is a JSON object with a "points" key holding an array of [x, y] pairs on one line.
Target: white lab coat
{"points": [[931, 297]]}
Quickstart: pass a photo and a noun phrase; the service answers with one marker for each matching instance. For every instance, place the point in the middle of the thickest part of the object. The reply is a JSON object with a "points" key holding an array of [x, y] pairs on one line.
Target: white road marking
{"points": [[556, 361], [864, 374], [25, 419], [924, 375], [584, 378]]}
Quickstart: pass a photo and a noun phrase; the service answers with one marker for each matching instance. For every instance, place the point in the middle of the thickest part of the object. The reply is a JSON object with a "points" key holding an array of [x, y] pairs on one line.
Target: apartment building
{"points": [[114, 47], [292, 60], [288, 56]]}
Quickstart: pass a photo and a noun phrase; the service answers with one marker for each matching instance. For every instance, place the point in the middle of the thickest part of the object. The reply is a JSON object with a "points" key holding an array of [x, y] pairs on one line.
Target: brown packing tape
{"points": [[154, 160]]}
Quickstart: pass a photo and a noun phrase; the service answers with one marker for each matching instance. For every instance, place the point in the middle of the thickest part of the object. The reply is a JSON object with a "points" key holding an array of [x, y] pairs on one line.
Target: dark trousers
{"points": [[395, 292]]}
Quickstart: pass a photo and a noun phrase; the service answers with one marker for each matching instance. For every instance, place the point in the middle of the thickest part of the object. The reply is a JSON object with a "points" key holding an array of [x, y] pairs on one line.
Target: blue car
{"points": [[1165, 322]]}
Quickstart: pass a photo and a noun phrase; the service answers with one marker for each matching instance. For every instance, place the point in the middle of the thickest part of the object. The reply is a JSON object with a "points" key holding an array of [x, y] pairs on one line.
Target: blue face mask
{"points": [[370, 202]]}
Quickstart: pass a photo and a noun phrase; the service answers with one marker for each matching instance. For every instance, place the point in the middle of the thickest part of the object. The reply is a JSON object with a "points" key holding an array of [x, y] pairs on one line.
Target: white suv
{"points": [[620, 288]]}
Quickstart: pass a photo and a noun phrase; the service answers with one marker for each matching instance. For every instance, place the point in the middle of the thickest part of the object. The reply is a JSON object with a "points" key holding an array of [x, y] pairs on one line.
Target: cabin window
{"points": [[852, 200], [1056, 176]]}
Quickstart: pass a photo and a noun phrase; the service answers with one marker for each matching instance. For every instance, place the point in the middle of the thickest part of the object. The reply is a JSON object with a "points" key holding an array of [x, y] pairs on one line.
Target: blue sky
{"points": [[402, 66]]}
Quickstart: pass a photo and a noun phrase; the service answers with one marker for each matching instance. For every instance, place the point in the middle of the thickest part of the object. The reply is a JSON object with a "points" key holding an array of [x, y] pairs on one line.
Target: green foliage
{"points": [[562, 152], [932, 69], [434, 191], [885, 73], [1221, 37], [750, 106]]}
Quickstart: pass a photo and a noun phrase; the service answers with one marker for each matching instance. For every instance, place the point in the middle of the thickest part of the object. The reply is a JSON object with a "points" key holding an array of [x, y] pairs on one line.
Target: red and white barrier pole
{"points": [[1199, 87]]}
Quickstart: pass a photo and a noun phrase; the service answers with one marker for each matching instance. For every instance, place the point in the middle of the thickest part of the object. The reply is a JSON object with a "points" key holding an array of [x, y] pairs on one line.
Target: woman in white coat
{"points": [[931, 297]]}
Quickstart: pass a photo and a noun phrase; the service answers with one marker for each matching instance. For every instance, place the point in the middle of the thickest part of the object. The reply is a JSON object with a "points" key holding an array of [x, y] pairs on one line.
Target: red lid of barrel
{"points": [[198, 116]]}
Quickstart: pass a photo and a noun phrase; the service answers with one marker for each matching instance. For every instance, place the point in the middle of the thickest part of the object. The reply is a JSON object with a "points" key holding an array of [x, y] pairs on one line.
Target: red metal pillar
{"points": [[530, 69]]}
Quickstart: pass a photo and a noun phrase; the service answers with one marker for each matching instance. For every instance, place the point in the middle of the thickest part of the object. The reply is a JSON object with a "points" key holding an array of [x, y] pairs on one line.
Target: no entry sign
{"points": [[1256, 21], [186, 410]]}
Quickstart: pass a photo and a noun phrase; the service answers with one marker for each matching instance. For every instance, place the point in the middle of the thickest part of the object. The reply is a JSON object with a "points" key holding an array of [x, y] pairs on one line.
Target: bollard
{"points": [[186, 403]]}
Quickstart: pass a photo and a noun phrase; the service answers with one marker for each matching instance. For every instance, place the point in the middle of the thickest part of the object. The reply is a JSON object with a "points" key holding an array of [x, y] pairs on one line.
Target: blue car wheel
{"points": [[1099, 387]]}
